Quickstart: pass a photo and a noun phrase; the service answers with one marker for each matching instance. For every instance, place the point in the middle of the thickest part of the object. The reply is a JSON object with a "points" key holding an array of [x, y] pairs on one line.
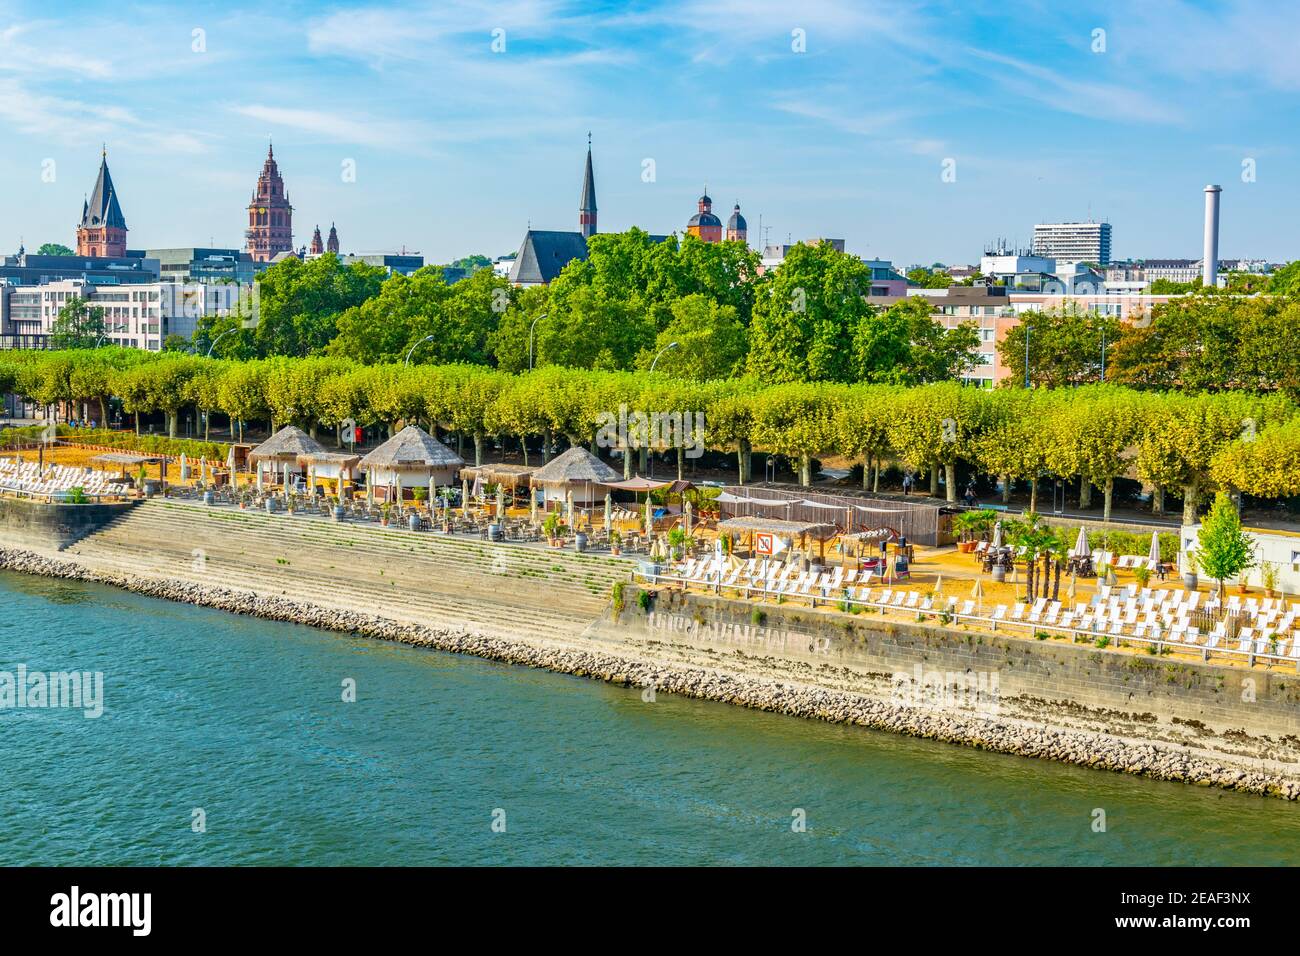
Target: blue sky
{"points": [[457, 148]]}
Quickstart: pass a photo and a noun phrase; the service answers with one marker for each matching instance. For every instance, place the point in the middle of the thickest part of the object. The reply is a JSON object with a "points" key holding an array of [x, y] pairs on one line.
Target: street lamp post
{"points": [[218, 339], [427, 338], [109, 331], [530, 339], [1028, 329], [669, 346]]}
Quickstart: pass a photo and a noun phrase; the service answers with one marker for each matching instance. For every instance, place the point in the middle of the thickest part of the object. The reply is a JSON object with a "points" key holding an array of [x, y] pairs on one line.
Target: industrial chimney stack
{"points": [[1210, 260]]}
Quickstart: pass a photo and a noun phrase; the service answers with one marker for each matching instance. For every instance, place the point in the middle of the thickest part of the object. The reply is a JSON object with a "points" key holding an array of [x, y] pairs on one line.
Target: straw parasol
{"points": [[1081, 549], [1154, 554], [938, 584], [977, 592]]}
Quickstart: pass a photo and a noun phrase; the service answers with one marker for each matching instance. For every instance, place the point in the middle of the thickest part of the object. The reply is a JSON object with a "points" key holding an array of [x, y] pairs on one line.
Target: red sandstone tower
{"points": [[102, 232], [332, 243], [317, 247], [270, 216]]}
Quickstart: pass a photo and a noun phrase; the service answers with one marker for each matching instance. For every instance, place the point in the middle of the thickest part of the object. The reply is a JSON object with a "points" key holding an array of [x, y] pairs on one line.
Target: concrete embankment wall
{"points": [[54, 526], [540, 608], [1233, 711]]}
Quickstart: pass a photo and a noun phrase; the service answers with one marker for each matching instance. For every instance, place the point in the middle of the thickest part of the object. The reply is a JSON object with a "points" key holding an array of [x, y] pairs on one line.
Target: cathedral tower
{"points": [[270, 216]]}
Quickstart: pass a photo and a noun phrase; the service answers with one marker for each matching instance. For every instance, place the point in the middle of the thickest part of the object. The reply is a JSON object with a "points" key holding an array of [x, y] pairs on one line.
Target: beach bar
{"points": [[410, 459], [278, 456]]}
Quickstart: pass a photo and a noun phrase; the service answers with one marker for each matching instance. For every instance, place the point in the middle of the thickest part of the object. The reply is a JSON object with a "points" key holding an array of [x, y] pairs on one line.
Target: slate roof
{"points": [[544, 253]]}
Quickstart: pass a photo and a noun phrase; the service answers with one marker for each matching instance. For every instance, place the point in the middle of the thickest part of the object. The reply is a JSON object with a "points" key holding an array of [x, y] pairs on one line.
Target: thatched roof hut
{"points": [[411, 459], [285, 446], [576, 473]]}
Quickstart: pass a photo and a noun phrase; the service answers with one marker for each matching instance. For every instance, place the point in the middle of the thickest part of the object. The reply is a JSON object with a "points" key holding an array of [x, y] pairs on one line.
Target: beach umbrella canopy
{"points": [[1111, 580], [977, 592], [938, 584], [1081, 545], [609, 511], [997, 535], [1069, 592], [1154, 553], [501, 501]]}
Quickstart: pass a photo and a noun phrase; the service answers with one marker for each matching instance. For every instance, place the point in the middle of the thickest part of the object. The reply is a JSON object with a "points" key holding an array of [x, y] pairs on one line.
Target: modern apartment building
{"points": [[995, 310], [136, 316], [1071, 242]]}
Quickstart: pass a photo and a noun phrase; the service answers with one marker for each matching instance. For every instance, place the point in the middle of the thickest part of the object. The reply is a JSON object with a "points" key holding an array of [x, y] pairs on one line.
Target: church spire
{"points": [[587, 206]]}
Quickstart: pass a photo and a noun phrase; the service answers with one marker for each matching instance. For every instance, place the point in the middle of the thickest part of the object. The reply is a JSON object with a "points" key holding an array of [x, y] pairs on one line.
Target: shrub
{"points": [[644, 600], [617, 594]]}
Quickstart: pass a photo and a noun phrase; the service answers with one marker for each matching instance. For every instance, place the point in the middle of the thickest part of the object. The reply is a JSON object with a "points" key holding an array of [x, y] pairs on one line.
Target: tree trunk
{"points": [[1109, 494], [1033, 495], [805, 469], [137, 423], [644, 461], [1085, 492], [523, 447], [950, 476], [1158, 501], [1191, 492], [103, 413], [875, 477], [745, 454], [478, 449], [866, 472], [681, 461], [1029, 579], [1006, 489], [1056, 583], [934, 480]]}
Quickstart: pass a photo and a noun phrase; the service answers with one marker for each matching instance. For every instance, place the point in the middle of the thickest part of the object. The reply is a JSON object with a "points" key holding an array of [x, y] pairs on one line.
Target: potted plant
{"points": [[1143, 574], [615, 542], [385, 514], [1268, 577], [677, 542], [339, 511], [553, 528]]}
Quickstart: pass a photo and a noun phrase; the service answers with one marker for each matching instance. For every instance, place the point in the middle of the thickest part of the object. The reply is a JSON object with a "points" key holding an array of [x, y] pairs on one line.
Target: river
{"points": [[227, 740]]}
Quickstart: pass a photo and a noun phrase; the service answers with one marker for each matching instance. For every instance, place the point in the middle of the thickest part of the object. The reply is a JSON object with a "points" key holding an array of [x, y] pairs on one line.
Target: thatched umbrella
{"points": [[282, 449], [413, 454], [977, 592]]}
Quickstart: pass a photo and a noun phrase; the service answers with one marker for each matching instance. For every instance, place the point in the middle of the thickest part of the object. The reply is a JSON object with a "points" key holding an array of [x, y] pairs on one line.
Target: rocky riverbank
{"points": [[798, 700]]}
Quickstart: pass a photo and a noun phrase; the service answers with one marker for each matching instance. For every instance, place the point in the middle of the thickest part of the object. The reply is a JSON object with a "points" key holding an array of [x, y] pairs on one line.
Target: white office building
{"points": [[1072, 242], [137, 316]]}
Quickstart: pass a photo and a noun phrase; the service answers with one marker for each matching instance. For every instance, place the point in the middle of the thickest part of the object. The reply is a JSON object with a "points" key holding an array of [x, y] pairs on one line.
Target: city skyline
{"points": [[458, 149]]}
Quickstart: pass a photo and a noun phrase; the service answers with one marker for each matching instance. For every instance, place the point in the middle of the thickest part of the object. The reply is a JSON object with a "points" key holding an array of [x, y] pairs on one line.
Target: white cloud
{"points": [[330, 126]]}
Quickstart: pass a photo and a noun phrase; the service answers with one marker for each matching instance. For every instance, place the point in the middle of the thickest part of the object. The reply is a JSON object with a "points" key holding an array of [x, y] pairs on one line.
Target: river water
{"points": [[227, 740]]}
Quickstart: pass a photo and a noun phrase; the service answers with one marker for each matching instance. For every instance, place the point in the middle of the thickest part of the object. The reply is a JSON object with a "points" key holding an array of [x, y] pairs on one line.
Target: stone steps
{"points": [[420, 577]]}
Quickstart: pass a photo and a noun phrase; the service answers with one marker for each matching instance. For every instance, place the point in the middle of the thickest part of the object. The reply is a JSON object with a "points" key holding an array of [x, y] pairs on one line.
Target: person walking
{"points": [[907, 483]]}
